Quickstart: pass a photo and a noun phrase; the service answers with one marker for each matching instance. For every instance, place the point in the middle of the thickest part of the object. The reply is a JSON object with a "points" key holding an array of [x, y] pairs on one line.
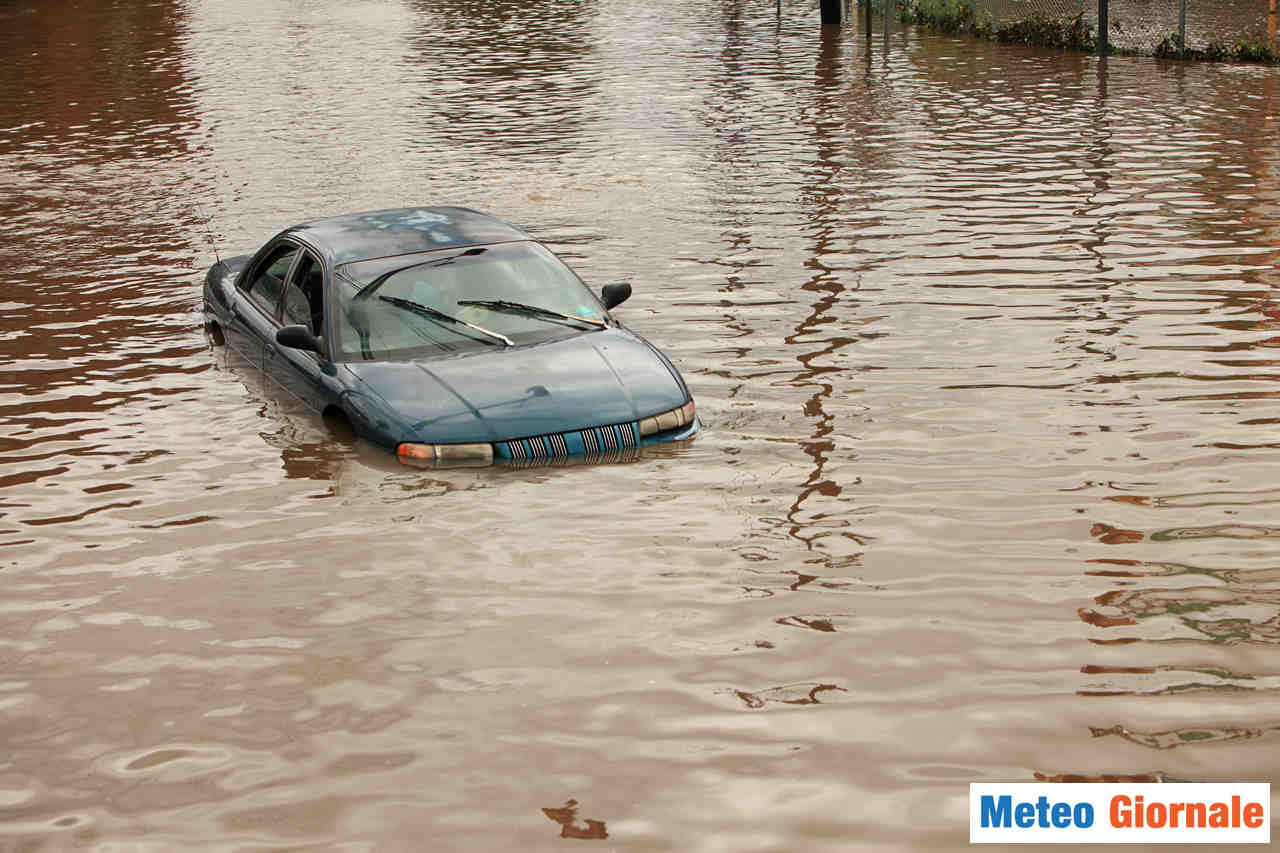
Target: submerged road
{"points": [[983, 338]]}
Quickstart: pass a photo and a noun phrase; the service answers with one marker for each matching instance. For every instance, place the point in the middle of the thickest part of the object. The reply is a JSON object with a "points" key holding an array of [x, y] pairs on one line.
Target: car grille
{"points": [[584, 442], [631, 454]]}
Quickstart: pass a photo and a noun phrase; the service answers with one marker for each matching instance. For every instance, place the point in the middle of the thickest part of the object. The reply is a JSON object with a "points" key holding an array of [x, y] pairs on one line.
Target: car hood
{"points": [[593, 379]]}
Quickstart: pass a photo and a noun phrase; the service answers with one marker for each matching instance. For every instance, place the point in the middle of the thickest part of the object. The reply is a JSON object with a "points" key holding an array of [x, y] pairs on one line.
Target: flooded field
{"points": [[983, 339]]}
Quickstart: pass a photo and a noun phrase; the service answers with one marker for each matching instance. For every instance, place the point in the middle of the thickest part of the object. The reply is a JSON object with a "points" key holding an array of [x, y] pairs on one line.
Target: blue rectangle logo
{"points": [[1119, 813]]}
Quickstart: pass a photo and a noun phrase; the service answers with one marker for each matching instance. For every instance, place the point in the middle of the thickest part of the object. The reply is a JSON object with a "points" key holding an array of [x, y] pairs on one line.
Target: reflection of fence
{"points": [[1210, 29]]}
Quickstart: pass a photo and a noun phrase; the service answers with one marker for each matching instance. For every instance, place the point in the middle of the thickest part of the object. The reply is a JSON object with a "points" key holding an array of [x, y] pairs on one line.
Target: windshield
{"points": [[408, 306]]}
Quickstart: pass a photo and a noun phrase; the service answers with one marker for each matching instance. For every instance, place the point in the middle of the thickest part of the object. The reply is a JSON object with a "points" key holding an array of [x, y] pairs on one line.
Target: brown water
{"points": [[983, 338]]}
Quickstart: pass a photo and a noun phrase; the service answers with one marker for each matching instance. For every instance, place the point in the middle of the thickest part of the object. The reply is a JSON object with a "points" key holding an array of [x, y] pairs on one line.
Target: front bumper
{"points": [[615, 442]]}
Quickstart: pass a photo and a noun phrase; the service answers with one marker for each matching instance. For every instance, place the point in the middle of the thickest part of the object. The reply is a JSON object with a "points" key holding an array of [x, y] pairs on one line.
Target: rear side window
{"points": [[267, 285]]}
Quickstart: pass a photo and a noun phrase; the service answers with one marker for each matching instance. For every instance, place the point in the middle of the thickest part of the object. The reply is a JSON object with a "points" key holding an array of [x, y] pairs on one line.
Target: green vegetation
{"points": [[1073, 34], [948, 16], [1245, 50], [957, 16]]}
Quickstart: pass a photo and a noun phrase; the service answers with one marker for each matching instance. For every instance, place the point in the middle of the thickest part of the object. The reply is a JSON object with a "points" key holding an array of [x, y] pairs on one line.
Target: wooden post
{"points": [[1102, 28], [867, 5], [832, 12], [1182, 27], [1271, 25]]}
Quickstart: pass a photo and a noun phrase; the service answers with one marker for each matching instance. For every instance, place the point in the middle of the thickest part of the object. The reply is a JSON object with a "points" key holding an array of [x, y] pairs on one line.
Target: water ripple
{"points": [[982, 337]]}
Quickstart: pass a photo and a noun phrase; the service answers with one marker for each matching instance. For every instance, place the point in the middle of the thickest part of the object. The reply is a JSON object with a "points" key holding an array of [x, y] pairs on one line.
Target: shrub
{"points": [[1073, 34]]}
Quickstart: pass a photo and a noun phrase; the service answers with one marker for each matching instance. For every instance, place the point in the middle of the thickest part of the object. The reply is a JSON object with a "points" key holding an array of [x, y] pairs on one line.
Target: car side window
{"points": [[303, 299], [266, 287]]}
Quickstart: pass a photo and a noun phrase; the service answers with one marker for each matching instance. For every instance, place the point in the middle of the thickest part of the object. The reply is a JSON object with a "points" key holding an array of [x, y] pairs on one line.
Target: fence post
{"points": [[831, 11], [1102, 27], [888, 5], [1271, 25], [867, 4], [1182, 27]]}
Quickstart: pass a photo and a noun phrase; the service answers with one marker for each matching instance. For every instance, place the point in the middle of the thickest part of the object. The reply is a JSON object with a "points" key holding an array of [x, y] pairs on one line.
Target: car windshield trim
{"points": [[428, 311], [508, 305]]}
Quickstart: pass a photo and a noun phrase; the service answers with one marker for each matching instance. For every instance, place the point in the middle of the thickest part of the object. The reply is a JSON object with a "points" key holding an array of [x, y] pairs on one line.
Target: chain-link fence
{"points": [[1209, 29], [1141, 26]]}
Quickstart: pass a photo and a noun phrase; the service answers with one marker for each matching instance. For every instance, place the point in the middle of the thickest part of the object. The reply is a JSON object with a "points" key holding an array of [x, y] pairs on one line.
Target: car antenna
{"points": [[205, 220]]}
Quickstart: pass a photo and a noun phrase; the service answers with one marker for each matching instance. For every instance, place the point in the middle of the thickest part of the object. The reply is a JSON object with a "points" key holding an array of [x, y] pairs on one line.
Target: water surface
{"points": [[983, 339]]}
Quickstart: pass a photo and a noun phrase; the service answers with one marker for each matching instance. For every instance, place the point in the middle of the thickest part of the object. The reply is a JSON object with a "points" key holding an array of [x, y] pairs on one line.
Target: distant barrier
{"points": [[1232, 30]]}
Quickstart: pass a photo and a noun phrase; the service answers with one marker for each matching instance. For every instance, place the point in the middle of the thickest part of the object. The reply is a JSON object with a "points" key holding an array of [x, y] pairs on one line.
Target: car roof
{"points": [[402, 231]]}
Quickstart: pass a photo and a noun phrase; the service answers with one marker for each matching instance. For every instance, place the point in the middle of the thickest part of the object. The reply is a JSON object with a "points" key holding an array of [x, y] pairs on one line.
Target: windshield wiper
{"points": [[505, 305], [372, 287], [426, 311]]}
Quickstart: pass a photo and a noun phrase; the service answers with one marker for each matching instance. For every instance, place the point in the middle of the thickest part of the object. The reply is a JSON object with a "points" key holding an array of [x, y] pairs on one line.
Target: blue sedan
{"points": [[448, 337]]}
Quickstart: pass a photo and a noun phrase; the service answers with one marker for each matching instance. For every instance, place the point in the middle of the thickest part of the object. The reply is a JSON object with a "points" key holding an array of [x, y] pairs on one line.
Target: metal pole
{"points": [[1182, 27], [1102, 28]]}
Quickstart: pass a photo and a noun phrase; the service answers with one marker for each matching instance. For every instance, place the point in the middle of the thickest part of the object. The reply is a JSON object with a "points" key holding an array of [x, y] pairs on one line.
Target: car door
{"points": [[252, 323], [300, 371]]}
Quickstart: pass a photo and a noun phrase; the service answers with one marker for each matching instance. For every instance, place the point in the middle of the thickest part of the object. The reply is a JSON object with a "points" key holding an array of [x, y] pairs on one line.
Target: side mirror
{"points": [[297, 337], [615, 294]]}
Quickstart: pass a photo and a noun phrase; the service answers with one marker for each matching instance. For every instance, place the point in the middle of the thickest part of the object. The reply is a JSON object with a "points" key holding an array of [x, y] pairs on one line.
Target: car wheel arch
{"points": [[216, 336], [338, 423]]}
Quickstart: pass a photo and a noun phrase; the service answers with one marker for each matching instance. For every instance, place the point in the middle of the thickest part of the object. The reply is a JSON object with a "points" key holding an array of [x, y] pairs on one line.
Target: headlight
{"points": [[673, 419], [430, 455]]}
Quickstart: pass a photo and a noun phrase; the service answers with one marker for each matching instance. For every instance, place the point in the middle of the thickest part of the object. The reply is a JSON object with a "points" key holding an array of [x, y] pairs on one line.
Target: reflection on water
{"points": [[523, 83], [1104, 777], [1179, 737], [983, 339], [1193, 608], [789, 694], [571, 826]]}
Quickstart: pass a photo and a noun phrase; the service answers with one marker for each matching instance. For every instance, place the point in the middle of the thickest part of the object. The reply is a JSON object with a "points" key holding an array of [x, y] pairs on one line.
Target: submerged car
{"points": [[447, 336]]}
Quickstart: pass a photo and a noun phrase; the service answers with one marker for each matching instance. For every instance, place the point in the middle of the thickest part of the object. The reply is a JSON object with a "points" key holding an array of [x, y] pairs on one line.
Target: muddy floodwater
{"points": [[983, 338]]}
